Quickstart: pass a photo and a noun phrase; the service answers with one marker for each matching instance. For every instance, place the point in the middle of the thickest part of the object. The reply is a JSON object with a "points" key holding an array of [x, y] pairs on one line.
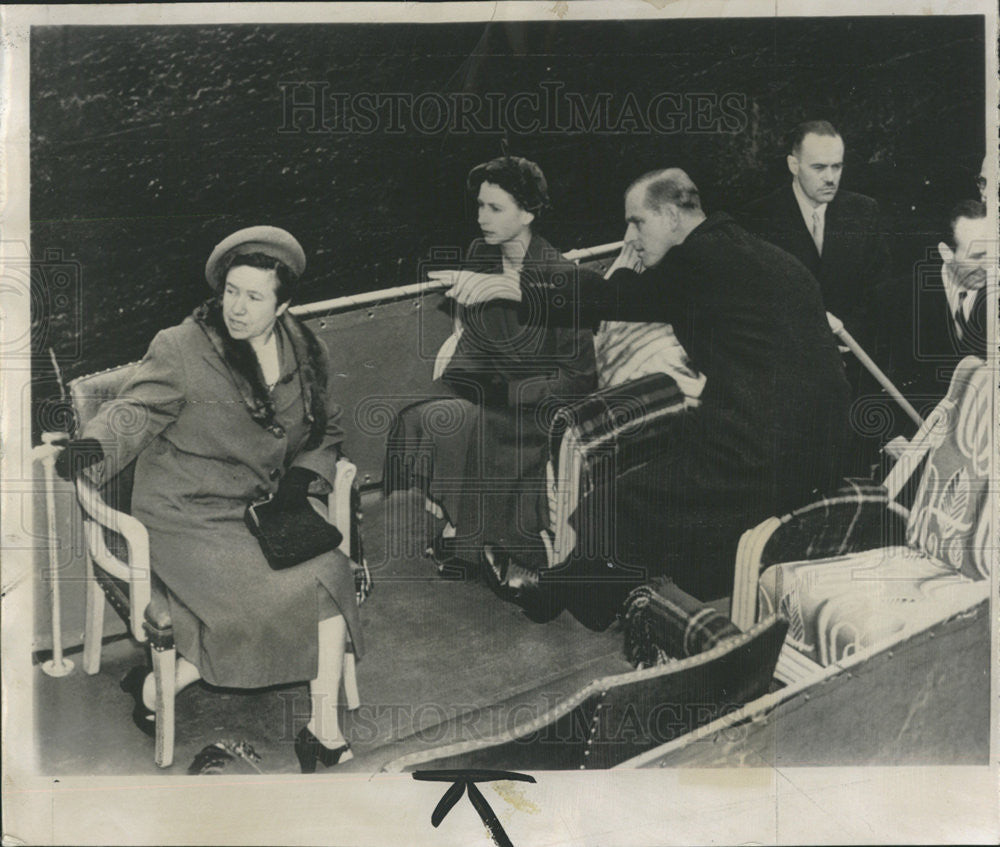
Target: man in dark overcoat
{"points": [[772, 422]]}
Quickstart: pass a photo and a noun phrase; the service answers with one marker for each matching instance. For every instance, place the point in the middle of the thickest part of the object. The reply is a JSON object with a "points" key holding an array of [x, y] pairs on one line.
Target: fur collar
{"points": [[241, 361]]}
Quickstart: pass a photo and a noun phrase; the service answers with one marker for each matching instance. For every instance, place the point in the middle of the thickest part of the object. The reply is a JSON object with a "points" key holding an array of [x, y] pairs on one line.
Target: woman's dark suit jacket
{"points": [[487, 433]]}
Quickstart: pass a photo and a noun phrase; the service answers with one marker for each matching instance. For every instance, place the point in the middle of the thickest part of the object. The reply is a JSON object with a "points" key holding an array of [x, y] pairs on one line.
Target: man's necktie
{"points": [[960, 320], [817, 231]]}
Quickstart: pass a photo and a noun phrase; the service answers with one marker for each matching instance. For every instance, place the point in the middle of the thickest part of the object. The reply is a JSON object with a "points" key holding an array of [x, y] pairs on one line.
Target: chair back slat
{"points": [[88, 393]]}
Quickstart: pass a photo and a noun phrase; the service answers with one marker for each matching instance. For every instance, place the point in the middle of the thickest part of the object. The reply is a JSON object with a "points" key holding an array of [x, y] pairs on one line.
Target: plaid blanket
{"points": [[663, 623], [618, 415], [859, 516]]}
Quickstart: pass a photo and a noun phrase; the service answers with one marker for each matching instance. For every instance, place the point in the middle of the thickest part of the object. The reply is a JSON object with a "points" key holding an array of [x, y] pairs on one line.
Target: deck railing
{"points": [[401, 292]]}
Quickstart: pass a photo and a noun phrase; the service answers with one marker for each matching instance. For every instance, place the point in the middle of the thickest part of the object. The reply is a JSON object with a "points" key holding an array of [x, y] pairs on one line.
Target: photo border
{"points": [[761, 805]]}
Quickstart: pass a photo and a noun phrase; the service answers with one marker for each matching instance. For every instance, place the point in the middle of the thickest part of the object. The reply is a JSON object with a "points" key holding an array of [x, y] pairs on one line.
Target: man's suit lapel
{"points": [[840, 236]]}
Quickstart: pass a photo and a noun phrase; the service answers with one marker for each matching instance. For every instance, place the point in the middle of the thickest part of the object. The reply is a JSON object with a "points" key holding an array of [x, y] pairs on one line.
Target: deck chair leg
{"points": [[351, 682], [93, 630], [164, 667]]}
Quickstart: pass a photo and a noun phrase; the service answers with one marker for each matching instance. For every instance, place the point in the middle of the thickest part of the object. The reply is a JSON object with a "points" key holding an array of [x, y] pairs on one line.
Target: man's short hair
{"points": [[803, 129], [965, 209], [669, 185]]}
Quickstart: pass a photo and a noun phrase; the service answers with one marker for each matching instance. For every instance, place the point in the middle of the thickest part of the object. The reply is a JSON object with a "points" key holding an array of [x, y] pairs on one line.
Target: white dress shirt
{"points": [[953, 293], [267, 355]]}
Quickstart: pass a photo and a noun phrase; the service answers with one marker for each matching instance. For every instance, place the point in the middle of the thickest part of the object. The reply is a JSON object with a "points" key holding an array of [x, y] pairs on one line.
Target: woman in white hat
{"points": [[229, 407]]}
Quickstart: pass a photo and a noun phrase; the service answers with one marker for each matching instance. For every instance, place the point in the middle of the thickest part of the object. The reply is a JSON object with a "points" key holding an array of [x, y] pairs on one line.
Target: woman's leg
{"points": [[325, 688], [184, 674]]}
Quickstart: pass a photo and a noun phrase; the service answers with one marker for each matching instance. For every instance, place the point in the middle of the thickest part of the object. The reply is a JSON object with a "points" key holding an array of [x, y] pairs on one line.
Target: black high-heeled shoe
{"points": [[142, 717], [310, 750], [520, 585]]}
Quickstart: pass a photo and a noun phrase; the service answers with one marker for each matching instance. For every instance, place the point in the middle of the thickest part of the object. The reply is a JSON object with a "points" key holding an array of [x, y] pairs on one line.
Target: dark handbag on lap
{"points": [[291, 535]]}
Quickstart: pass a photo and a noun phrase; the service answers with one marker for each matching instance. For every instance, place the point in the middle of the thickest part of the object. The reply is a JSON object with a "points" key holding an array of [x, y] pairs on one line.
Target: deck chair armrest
{"points": [[847, 522], [134, 568], [158, 624]]}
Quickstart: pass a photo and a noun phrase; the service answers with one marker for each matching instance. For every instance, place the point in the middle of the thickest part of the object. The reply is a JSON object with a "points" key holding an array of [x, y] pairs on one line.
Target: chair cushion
{"points": [[158, 623], [626, 351], [116, 590], [949, 519], [840, 605]]}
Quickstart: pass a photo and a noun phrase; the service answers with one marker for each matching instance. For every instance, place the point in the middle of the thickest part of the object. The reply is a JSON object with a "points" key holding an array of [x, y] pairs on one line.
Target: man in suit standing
{"points": [[836, 234], [966, 259]]}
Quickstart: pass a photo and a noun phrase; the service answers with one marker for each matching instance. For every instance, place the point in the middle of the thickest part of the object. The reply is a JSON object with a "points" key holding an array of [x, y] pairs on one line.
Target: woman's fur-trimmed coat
{"points": [[208, 438]]}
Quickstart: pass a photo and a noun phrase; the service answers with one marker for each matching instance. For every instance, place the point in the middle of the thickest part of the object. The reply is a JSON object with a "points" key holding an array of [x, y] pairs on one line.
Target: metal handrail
{"points": [[400, 292], [837, 327]]}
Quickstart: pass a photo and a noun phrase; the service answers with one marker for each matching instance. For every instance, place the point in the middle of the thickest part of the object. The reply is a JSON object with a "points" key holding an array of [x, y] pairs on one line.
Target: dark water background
{"points": [[150, 144]]}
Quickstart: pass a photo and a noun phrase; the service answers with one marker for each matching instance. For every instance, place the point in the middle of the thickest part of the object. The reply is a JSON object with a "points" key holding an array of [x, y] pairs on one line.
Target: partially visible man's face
{"points": [[818, 166], [970, 258], [650, 232]]}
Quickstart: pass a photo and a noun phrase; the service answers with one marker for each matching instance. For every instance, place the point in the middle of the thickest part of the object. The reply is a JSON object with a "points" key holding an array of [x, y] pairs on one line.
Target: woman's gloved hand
{"points": [[294, 488], [77, 455]]}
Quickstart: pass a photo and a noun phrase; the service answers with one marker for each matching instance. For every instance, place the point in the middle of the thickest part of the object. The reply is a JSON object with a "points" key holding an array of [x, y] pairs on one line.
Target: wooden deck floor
{"points": [[443, 657]]}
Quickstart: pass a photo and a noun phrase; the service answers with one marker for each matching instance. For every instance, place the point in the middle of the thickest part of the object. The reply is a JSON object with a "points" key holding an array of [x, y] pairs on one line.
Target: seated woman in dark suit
{"points": [[479, 451]]}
